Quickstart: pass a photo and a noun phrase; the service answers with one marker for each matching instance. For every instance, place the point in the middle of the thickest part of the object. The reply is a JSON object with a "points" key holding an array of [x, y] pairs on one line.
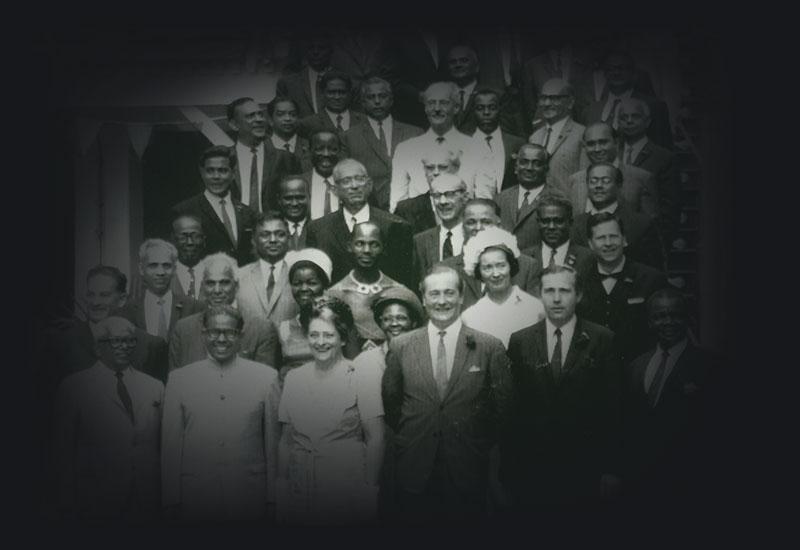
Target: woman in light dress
{"points": [[332, 440], [491, 257]]}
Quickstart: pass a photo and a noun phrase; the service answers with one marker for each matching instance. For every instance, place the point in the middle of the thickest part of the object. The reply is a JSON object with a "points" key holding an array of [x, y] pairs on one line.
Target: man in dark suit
{"points": [[672, 413], [478, 215], [337, 116], [326, 151], [304, 86], [282, 112], [260, 168], [373, 141], [641, 234], [616, 289], [554, 216], [640, 151], [332, 233], [190, 240], [419, 211], [449, 193], [293, 202], [227, 223], [158, 310], [259, 339], [560, 451], [621, 79], [518, 203], [463, 68], [445, 392], [493, 148]]}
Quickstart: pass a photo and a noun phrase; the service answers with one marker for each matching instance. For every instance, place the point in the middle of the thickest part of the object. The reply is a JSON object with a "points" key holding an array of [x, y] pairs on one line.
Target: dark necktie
{"points": [[287, 147], [616, 275], [192, 288], [124, 396], [489, 142], [326, 209], [440, 374], [226, 221], [555, 362], [339, 123], [270, 283], [295, 235], [382, 138], [546, 141], [463, 104], [254, 183], [612, 114], [525, 196], [440, 140], [447, 247], [655, 385], [162, 319], [552, 261]]}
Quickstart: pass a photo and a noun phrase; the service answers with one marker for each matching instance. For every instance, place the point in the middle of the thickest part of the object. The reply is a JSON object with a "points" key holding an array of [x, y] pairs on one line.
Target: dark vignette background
{"points": [[46, 85]]}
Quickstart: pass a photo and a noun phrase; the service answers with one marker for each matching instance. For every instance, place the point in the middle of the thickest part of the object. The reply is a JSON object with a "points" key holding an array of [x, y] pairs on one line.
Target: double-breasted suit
{"points": [[252, 296], [362, 144]]}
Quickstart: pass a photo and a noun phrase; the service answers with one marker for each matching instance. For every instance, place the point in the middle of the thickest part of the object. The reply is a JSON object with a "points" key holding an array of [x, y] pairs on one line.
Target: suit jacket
{"points": [[259, 342], [526, 279], [101, 456], [252, 297], [624, 310], [217, 238], [329, 234], [182, 306], [277, 164], [418, 211], [462, 426], [638, 189], [568, 155], [301, 239], [219, 462], [361, 144], [578, 257], [660, 130], [565, 429], [661, 163], [312, 124], [302, 152], [670, 448], [511, 145], [426, 251], [523, 223], [641, 232], [296, 86]]}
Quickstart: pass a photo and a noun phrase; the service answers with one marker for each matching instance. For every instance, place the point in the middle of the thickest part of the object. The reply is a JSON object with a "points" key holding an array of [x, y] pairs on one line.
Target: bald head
{"points": [[633, 118], [556, 100]]}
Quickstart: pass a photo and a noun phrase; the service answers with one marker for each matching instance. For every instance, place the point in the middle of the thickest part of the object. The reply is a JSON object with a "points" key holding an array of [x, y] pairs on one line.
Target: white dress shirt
{"points": [[467, 93], [300, 226], [535, 192], [408, 174], [280, 143], [316, 207], [540, 135], [652, 367], [245, 159], [520, 310], [265, 267], [450, 339], [567, 331], [387, 126], [456, 238], [632, 150], [152, 310], [361, 216], [184, 278], [561, 254], [610, 104], [215, 204], [611, 208], [345, 118], [490, 165]]}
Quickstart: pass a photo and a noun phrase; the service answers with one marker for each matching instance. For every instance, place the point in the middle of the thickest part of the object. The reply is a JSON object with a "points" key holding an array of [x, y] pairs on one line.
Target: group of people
{"points": [[358, 320]]}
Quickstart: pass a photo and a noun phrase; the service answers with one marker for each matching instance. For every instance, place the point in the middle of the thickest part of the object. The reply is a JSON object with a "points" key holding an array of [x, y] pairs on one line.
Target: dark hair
{"points": [[441, 267], [534, 146], [617, 172], [268, 216], [120, 280], [486, 90], [552, 270], [292, 177], [308, 264], [670, 294], [331, 132], [230, 311], [218, 151], [333, 74], [375, 80], [614, 133], [339, 314], [370, 223], [281, 99], [485, 202], [550, 198], [230, 110], [512, 261], [596, 219]]}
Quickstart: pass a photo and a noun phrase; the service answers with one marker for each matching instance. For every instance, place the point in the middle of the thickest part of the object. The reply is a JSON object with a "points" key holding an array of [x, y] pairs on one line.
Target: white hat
{"points": [[313, 255], [491, 236]]}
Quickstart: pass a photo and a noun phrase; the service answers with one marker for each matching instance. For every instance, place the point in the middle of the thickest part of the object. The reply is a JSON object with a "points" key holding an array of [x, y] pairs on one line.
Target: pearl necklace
{"points": [[363, 288]]}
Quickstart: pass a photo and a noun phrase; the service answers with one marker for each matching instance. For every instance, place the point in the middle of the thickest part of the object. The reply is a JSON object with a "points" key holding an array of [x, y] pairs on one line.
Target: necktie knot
{"points": [[353, 220], [296, 228], [442, 333], [616, 275], [222, 202], [558, 332], [254, 150], [449, 234], [287, 147], [160, 301], [118, 374], [526, 197], [439, 139]]}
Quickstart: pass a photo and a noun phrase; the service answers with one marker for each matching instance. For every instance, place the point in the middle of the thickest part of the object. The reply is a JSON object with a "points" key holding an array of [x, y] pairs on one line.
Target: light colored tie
{"points": [[525, 199], [552, 258], [162, 319], [271, 283], [226, 221], [629, 156], [440, 373]]}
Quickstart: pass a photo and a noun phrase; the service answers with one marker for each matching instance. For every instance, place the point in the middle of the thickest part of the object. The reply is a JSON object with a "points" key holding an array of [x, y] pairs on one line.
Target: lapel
{"points": [[471, 282], [138, 313], [398, 135], [240, 225], [459, 361], [433, 246], [259, 285], [422, 352], [178, 304], [577, 348], [643, 154], [562, 136], [537, 347], [339, 227], [208, 210], [526, 210], [372, 141], [280, 284], [306, 85]]}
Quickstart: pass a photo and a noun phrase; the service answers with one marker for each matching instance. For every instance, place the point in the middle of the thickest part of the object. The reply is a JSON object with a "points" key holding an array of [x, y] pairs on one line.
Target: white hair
{"points": [[105, 327], [157, 243], [346, 163], [454, 96], [220, 258]]}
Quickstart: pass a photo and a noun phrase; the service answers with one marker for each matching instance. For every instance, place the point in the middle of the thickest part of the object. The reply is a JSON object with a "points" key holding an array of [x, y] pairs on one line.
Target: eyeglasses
{"points": [[120, 342], [229, 333], [449, 195], [352, 181], [604, 179]]}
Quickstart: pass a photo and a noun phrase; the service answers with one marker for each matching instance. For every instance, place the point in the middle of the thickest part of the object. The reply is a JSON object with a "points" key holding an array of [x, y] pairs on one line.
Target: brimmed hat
{"points": [[397, 295], [312, 255]]}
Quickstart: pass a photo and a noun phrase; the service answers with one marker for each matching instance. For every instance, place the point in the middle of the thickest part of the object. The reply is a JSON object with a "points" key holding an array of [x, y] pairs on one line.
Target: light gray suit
{"points": [[568, 155], [638, 189], [252, 296]]}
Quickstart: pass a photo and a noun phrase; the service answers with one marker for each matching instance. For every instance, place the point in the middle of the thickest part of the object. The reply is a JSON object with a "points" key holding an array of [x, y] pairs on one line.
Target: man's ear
{"points": [[234, 126], [123, 298], [141, 269]]}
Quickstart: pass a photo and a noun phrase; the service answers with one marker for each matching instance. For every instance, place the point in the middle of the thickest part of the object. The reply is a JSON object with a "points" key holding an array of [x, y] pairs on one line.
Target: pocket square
{"points": [[636, 300], [474, 368]]}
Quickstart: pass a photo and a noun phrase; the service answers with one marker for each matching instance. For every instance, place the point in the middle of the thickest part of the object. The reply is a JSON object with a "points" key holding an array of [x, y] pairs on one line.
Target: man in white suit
{"points": [[264, 291], [220, 430], [107, 429]]}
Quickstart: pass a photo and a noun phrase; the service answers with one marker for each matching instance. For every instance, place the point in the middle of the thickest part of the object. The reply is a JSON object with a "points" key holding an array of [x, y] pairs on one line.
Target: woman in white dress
{"points": [[491, 256], [332, 440]]}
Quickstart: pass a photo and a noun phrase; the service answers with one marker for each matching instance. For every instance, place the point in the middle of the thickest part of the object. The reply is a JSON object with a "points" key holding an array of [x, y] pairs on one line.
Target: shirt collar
{"points": [[320, 178], [567, 328], [675, 350], [361, 216], [619, 268], [265, 265], [242, 149], [454, 328], [496, 135], [214, 199], [374, 123], [280, 143], [152, 298], [557, 127], [451, 134], [456, 231], [611, 208], [113, 373]]}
